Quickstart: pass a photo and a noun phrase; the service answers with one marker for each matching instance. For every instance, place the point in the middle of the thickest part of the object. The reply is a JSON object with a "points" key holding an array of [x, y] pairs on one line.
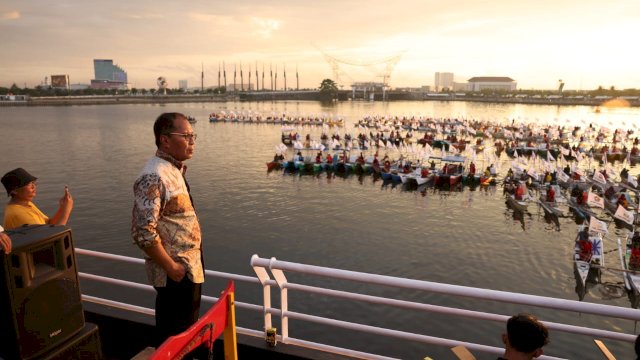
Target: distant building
{"points": [[79, 86], [443, 81], [460, 86], [480, 83], [183, 84], [60, 81], [108, 75]]}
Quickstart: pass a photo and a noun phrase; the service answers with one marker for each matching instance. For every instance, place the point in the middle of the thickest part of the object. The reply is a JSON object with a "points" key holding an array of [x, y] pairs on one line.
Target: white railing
{"points": [[263, 267]]}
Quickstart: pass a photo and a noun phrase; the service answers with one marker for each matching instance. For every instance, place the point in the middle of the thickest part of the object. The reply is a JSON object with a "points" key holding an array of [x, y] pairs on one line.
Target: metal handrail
{"points": [[277, 267]]}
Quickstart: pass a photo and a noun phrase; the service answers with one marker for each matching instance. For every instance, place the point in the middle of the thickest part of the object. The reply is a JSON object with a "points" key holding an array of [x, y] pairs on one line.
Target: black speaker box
{"points": [[40, 306], [85, 345]]}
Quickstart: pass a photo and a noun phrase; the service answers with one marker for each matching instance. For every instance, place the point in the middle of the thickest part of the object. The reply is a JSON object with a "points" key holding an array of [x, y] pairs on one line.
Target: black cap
{"points": [[16, 179]]}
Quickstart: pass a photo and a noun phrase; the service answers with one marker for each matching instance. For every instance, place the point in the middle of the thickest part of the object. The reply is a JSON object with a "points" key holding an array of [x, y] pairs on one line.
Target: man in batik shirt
{"points": [[166, 228]]}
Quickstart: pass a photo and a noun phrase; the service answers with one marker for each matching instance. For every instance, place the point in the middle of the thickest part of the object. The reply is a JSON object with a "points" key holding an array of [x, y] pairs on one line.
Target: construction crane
{"points": [[389, 64]]}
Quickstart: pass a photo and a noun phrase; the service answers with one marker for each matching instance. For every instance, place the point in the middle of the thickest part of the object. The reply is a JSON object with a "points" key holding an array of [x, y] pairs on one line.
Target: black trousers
{"points": [[177, 307]]}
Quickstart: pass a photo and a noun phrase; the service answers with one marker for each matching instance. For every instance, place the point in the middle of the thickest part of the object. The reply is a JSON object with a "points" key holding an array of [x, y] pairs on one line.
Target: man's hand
{"points": [[5, 242], [176, 272]]}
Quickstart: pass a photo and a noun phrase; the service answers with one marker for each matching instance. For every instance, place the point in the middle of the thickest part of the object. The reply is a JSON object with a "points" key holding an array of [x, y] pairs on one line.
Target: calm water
{"points": [[464, 238]]}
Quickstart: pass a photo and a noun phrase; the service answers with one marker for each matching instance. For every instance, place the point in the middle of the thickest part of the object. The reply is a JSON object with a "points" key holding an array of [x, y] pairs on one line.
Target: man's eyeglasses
{"points": [[187, 137]]}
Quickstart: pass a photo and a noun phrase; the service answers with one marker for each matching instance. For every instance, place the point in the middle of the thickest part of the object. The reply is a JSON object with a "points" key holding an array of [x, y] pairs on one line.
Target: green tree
{"points": [[328, 85]]}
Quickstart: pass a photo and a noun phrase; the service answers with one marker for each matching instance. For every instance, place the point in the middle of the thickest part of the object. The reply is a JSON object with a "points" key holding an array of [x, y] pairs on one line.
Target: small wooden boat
{"points": [[550, 207], [588, 253], [519, 205], [630, 261]]}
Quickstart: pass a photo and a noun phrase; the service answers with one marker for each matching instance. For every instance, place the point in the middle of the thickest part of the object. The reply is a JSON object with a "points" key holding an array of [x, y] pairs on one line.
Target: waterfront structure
{"points": [[108, 75], [240, 87], [368, 89], [443, 81], [480, 83]]}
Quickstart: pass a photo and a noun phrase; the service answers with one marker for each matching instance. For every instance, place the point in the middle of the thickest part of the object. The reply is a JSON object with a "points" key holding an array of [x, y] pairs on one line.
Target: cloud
{"points": [[11, 15], [265, 27]]}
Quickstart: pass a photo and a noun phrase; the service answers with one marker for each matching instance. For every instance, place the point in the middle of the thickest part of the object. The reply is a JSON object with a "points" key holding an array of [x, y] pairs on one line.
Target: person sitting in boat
{"points": [[299, 156], [319, 157], [375, 160], [472, 169], [519, 194], [551, 195], [492, 170], [487, 172], [329, 159], [609, 193], [445, 168], [278, 157], [387, 165], [433, 166], [634, 259], [547, 177], [344, 158], [624, 174], [510, 173], [424, 172], [604, 173], [622, 200], [360, 159], [582, 198], [407, 167], [585, 245]]}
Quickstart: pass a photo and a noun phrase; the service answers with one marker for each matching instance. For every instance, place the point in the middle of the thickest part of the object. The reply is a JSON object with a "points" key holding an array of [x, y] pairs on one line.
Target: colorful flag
{"points": [[597, 226], [624, 215], [595, 201]]}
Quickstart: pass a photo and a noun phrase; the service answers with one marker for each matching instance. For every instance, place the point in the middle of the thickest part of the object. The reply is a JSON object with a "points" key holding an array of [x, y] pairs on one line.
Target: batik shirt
{"points": [[163, 214]]}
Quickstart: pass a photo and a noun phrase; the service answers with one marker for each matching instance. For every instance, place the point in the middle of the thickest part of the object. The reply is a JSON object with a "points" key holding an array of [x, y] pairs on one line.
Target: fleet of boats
{"points": [[565, 171]]}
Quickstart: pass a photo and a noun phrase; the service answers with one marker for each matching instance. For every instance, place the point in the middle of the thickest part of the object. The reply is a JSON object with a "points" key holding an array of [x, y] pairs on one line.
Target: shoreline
{"points": [[299, 96]]}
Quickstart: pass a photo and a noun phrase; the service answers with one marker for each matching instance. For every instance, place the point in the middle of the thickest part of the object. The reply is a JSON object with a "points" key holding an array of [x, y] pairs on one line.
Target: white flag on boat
{"points": [[594, 200], [631, 180], [564, 151], [562, 176], [624, 215], [532, 173], [597, 226], [599, 177], [549, 156]]}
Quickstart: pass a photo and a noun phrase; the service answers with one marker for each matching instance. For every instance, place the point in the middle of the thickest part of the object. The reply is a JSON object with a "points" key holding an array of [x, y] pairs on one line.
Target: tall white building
{"points": [[183, 84], [443, 80]]}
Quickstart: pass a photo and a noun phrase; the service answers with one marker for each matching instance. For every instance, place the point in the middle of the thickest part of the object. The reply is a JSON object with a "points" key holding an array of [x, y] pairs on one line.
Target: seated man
{"points": [[519, 195], [525, 337], [551, 194]]}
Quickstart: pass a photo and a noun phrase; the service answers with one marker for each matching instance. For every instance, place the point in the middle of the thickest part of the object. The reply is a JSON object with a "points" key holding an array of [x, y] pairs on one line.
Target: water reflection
{"points": [[360, 223]]}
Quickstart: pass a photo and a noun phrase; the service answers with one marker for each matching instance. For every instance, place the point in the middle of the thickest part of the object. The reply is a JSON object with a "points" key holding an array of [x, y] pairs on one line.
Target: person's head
{"points": [[20, 185], [174, 135], [525, 335]]}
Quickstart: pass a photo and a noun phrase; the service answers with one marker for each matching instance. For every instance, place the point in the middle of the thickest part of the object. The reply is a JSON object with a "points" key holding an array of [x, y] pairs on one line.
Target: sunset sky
{"points": [[587, 43]]}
